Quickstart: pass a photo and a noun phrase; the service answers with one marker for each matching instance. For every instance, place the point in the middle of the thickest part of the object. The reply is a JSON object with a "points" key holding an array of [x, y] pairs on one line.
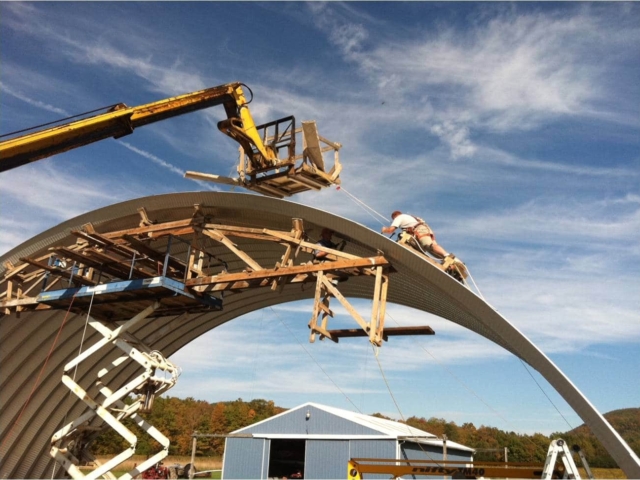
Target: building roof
{"points": [[385, 428]]}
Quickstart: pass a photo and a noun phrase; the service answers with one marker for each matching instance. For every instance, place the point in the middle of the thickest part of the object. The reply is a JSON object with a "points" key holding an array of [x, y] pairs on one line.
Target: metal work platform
{"points": [[112, 300]]}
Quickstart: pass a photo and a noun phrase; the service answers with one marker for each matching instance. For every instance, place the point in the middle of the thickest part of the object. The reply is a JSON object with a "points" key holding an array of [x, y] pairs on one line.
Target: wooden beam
{"points": [[308, 246], [374, 333], [288, 271], [388, 332], [232, 246], [159, 227], [352, 311], [59, 271], [313, 323]]}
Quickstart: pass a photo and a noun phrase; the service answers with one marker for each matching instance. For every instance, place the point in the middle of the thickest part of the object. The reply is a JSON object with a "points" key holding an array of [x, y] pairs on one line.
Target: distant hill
{"points": [[178, 418], [626, 421]]}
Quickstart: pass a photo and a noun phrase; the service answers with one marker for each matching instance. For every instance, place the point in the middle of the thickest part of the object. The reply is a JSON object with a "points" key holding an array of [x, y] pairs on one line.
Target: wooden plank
{"points": [[156, 228], [389, 332], [178, 232], [313, 323], [269, 190], [231, 246], [144, 249], [308, 246], [306, 182], [354, 313], [209, 177], [289, 271], [120, 267], [324, 333], [374, 332], [383, 305], [59, 271]]}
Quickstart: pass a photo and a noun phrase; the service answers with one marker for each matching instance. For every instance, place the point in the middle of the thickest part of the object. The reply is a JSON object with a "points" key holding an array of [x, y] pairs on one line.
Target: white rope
{"points": [[404, 421], [464, 385], [314, 360], [366, 207], [476, 286]]}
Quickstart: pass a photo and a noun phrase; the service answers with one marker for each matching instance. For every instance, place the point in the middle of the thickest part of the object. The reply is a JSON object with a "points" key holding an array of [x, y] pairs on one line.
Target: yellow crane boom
{"points": [[122, 120]]}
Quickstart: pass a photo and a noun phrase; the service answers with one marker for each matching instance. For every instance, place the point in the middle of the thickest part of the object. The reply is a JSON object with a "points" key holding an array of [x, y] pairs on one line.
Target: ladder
{"points": [[559, 447]]}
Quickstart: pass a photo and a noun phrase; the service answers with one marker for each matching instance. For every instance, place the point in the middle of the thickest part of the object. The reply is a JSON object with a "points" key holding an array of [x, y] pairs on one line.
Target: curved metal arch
{"points": [[25, 342]]}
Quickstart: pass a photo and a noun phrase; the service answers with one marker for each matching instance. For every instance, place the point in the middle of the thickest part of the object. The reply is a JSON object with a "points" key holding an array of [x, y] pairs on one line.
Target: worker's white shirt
{"points": [[404, 221]]}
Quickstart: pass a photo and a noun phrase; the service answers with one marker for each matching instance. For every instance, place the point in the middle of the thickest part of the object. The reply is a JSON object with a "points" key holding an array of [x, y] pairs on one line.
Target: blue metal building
{"points": [[315, 441]]}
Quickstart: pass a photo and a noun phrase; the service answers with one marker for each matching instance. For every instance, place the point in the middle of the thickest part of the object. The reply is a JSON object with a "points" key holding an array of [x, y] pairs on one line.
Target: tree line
{"points": [[179, 418]]}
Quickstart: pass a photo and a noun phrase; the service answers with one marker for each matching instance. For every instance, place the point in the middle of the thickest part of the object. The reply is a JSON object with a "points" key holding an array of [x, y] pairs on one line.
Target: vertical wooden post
{"points": [[192, 470], [316, 308], [7, 311], [373, 325], [382, 308]]}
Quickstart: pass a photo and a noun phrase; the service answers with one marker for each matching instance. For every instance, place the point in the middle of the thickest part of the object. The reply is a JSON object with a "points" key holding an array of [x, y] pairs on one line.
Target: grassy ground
{"points": [[215, 463], [603, 473], [202, 463]]}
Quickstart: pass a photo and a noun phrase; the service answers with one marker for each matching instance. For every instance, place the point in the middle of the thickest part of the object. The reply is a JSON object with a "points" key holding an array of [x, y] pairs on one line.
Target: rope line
{"points": [[404, 421], [364, 205], [545, 393], [314, 360], [384, 377], [469, 389]]}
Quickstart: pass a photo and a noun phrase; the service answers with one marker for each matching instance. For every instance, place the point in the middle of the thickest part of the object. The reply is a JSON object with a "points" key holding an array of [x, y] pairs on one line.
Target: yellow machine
{"points": [[559, 464], [268, 155]]}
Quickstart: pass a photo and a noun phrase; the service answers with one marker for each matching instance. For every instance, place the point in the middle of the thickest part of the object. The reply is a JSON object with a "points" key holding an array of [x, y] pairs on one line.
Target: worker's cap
{"points": [[327, 231]]}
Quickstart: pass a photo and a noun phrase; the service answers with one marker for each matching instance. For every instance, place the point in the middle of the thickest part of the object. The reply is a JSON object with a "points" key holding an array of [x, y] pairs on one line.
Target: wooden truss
{"points": [[121, 272]]}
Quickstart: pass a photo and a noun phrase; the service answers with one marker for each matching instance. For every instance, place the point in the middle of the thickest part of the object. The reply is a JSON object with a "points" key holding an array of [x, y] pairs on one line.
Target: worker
{"points": [[326, 236], [419, 230], [319, 256]]}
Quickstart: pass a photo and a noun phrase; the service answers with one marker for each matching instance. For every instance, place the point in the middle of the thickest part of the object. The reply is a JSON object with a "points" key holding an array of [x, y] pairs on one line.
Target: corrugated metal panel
{"points": [[373, 449], [415, 451], [245, 458], [320, 422], [416, 284], [326, 459]]}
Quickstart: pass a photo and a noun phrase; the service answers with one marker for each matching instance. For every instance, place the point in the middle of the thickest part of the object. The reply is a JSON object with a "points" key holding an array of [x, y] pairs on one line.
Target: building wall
{"points": [[245, 458], [415, 451], [326, 459], [373, 449]]}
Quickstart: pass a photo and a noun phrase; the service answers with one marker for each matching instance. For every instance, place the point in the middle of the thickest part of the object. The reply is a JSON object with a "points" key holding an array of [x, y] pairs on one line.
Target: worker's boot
{"points": [[455, 267]]}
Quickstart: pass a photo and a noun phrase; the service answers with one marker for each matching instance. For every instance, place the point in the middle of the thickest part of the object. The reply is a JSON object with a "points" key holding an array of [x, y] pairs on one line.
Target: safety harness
{"points": [[418, 232]]}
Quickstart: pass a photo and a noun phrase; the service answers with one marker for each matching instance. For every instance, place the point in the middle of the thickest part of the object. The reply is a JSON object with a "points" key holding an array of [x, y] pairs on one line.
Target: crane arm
{"points": [[122, 120]]}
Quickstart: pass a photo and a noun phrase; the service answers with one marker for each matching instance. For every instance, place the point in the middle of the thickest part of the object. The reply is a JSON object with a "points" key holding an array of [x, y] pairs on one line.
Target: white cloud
{"points": [[541, 222], [164, 164], [46, 195], [514, 72], [31, 101]]}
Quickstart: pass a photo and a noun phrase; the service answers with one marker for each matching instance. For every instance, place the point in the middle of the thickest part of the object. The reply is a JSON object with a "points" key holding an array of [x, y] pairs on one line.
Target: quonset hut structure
{"points": [[317, 441], [149, 291]]}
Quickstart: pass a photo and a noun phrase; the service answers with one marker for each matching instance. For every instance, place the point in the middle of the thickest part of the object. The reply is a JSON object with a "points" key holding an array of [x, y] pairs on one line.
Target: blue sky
{"points": [[512, 128]]}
